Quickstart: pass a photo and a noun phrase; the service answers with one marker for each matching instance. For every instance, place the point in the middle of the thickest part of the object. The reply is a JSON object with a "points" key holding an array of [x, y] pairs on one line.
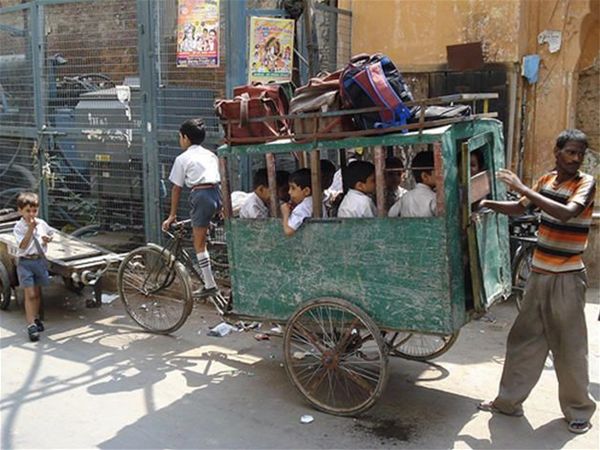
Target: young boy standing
{"points": [[301, 207], [32, 236], [420, 201], [360, 176], [198, 169]]}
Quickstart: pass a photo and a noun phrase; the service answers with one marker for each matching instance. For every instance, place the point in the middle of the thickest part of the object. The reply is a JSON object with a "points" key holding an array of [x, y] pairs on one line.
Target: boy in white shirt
{"points": [[393, 178], [256, 206], [198, 169], [293, 215], [420, 201], [360, 177], [32, 236]]}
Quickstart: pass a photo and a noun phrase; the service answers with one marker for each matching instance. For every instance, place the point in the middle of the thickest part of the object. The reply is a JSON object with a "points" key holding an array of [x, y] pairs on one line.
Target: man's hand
{"points": [[167, 223], [46, 239], [511, 180]]}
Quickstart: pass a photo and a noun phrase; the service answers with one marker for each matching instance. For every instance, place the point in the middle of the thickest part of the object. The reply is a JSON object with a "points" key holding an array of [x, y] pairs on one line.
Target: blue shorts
{"points": [[33, 272], [204, 203]]}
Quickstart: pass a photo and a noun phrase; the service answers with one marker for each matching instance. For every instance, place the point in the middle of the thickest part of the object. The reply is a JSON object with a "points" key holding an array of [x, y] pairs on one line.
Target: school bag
{"points": [[320, 94], [374, 81], [250, 102]]}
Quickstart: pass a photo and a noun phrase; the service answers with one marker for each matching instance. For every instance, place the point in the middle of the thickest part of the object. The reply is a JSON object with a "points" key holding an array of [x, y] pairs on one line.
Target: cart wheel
{"points": [[73, 286], [335, 356], [5, 289], [155, 290], [423, 347]]}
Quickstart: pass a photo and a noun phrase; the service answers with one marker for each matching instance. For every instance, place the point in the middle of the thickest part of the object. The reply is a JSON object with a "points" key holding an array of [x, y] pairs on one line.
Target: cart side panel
{"points": [[394, 269]]}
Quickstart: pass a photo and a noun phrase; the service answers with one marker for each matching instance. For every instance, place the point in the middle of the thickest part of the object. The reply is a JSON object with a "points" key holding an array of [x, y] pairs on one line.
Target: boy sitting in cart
{"points": [[256, 206], [359, 177], [32, 236], [420, 201], [300, 208], [198, 169]]}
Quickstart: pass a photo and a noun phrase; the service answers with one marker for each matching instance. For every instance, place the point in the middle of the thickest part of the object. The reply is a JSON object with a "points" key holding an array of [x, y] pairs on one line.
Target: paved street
{"points": [[95, 380]]}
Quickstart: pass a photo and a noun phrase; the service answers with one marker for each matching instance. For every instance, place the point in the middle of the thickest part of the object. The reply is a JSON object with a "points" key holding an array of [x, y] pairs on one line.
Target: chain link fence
{"points": [[82, 124]]}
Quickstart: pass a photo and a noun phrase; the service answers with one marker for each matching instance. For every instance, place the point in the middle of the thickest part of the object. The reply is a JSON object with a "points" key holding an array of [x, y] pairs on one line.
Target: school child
{"points": [[359, 177], [256, 206], [393, 179], [301, 207], [198, 169], [327, 172], [420, 201], [337, 185], [32, 236]]}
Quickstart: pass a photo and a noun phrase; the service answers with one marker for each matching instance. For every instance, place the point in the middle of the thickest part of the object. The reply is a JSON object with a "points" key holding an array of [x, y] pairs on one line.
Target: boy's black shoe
{"points": [[39, 325], [32, 331]]}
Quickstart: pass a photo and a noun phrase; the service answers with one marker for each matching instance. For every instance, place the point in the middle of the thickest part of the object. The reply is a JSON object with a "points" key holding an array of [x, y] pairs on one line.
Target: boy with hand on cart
{"points": [[198, 169], [420, 201], [359, 176], [32, 236], [300, 208]]}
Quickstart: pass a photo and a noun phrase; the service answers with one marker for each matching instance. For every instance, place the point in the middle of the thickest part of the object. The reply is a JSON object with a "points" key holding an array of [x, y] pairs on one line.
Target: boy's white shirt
{"points": [[418, 202], [357, 204], [302, 212], [196, 165], [254, 208], [42, 229]]}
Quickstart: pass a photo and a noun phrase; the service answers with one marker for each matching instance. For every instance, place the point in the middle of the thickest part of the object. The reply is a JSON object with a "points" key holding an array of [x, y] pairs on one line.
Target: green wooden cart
{"points": [[351, 292]]}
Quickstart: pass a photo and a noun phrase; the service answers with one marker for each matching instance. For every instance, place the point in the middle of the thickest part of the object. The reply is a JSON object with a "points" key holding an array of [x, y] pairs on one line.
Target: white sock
{"points": [[207, 275]]}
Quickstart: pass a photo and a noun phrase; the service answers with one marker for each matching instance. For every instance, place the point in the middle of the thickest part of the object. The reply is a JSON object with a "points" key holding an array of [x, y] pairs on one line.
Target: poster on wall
{"points": [[198, 33], [271, 50]]}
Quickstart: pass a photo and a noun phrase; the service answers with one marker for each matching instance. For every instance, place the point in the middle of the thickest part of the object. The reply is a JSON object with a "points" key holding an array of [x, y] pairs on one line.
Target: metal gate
{"points": [[91, 100]]}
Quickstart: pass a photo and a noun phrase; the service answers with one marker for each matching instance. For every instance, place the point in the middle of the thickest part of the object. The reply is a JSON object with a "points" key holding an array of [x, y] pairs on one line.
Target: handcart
{"points": [[349, 292], [79, 263]]}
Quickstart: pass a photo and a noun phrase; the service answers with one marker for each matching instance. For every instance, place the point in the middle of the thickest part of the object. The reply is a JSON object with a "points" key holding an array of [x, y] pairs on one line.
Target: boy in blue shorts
{"points": [[198, 169], [32, 236]]}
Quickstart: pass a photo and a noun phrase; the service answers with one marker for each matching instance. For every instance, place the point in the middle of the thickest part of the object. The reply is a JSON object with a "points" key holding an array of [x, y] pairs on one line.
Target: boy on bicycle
{"points": [[198, 169]]}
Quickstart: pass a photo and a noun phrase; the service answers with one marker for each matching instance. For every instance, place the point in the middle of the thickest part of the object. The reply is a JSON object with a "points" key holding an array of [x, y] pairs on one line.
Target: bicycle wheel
{"points": [[423, 347], [5, 288], [155, 290], [521, 269], [335, 356]]}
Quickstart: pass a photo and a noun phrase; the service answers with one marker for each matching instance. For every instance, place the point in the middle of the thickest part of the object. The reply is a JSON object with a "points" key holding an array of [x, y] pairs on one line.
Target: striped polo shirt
{"points": [[561, 244]]}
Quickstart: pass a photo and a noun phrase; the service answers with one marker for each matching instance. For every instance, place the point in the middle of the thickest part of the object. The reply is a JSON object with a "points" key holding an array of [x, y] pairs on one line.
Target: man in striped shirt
{"points": [[552, 317]]}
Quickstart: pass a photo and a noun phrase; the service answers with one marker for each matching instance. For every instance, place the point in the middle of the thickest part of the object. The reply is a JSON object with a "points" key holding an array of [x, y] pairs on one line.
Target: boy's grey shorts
{"points": [[32, 272], [205, 203]]}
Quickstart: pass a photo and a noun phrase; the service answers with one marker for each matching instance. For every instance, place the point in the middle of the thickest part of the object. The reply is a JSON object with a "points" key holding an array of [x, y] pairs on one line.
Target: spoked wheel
{"points": [[5, 289], [335, 356], [520, 273], [155, 290], [422, 347]]}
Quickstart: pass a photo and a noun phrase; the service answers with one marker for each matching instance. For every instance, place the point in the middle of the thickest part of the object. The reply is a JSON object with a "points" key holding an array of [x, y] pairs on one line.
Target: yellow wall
{"points": [[416, 32]]}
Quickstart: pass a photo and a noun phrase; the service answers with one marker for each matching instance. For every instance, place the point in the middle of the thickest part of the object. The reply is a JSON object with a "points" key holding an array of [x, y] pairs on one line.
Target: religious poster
{"points": [[198, 33], [271, 49]]}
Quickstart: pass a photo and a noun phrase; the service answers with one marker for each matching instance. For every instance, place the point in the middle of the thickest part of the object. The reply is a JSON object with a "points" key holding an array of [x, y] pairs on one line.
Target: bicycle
{"points": [[523, 237], [155, 283]]}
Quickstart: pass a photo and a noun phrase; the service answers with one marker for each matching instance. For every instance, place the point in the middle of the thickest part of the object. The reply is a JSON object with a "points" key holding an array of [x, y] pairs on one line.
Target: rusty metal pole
{"points": [[379, 158], [227, 209], [271, 177], [315, 181]]}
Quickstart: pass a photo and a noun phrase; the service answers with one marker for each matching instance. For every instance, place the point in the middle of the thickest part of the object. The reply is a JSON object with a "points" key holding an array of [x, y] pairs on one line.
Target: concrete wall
{"points": [[416, 32]]}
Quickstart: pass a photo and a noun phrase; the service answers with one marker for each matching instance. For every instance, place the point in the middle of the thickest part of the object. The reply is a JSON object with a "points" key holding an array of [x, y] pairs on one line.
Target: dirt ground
{"points": [[96, 381]]}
